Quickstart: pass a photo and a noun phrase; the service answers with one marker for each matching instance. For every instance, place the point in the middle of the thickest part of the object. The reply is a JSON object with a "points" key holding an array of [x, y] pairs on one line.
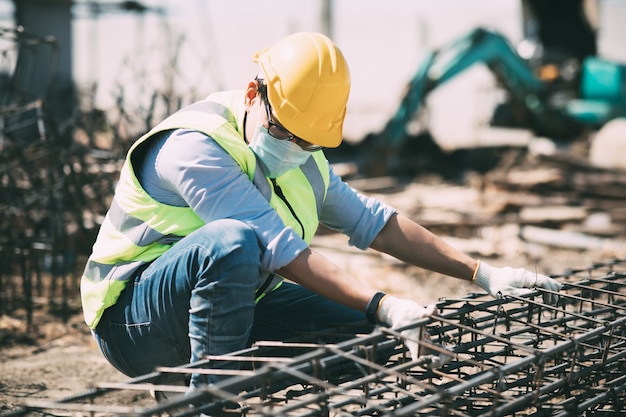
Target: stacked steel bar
{"points": [[506, 356]]}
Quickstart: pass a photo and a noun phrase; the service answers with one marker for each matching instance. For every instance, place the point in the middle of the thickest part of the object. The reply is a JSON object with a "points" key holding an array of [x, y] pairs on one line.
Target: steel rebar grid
{"points": [[507, 356]]}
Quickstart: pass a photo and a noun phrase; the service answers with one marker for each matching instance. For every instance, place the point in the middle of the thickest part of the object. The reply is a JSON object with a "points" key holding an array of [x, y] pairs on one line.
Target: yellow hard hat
{"points": [[308, 84]]}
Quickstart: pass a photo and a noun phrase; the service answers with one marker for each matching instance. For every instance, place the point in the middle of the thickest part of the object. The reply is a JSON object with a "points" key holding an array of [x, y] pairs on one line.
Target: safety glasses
{"points": [[280, 133]]}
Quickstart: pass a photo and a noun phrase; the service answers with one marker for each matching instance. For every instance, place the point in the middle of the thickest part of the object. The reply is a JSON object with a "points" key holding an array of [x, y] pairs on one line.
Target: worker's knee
{"points": [[233, 238]]}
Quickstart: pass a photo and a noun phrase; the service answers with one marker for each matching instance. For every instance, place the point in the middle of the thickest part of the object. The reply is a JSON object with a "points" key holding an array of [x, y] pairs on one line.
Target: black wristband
{"points": [[372, 307]]}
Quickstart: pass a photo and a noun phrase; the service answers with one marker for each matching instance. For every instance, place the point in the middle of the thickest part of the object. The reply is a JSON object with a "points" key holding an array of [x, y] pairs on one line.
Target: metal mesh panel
{"points": [[506, 356]]}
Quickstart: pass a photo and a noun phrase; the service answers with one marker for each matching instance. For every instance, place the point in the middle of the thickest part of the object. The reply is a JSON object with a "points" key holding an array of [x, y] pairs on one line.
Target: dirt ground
{"points": [[55, 359]]}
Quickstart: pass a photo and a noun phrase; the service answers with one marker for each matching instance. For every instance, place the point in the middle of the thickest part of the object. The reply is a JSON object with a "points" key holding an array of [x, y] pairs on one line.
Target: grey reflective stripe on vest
{"points": [[138, 232], [210, 107], [314, 176], [120, 271], [260, 180], [270, 283]]}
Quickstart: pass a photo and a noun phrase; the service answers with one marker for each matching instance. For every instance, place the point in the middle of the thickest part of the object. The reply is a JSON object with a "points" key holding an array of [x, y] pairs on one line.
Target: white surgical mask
{"points": [[277, 156]]}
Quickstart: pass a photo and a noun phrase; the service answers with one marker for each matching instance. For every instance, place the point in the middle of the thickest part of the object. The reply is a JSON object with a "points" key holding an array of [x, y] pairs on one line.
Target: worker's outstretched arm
{"points": [[412, 243], [409, 242]]}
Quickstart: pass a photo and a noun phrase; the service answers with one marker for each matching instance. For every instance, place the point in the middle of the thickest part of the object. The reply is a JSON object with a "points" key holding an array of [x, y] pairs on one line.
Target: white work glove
{"points": [[514, 281], [397, 313]]}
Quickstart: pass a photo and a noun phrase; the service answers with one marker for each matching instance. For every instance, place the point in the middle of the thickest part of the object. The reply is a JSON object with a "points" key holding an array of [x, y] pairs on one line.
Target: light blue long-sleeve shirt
{"points": [[188, 168]]}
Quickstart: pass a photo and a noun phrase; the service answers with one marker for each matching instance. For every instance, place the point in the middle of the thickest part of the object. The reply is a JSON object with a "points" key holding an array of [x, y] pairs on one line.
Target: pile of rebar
{"points": [[497, 357]]}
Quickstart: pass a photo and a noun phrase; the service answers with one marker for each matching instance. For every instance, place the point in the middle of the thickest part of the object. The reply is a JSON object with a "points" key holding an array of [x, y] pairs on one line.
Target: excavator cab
{"points": [[602, 93]]}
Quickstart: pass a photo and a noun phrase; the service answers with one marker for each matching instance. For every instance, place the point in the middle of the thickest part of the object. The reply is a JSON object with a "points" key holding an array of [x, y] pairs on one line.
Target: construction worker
{"points": [[218, 203]]}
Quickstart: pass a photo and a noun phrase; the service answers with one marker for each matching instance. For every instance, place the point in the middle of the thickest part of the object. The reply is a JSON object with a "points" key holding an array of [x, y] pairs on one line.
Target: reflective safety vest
{"points": [[138, 229]]}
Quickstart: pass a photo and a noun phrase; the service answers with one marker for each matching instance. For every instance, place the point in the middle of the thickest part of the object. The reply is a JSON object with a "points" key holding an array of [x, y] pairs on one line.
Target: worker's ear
{"points": [[252, 93]]}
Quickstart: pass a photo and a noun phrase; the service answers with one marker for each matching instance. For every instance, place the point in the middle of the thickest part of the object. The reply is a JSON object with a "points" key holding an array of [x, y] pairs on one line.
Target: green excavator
{"points": [[560, 101], [533, 103]]}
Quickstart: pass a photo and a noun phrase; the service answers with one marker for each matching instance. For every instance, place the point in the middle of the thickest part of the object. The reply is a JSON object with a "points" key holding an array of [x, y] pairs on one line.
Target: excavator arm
{"points": [[479, 46]]}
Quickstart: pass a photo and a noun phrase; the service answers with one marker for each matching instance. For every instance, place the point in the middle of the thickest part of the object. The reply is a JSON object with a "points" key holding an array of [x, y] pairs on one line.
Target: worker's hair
{"points": [[262, 87]]}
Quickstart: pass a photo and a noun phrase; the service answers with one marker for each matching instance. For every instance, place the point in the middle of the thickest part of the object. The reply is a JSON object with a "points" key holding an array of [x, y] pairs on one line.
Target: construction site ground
{"points": [[55, 358]]}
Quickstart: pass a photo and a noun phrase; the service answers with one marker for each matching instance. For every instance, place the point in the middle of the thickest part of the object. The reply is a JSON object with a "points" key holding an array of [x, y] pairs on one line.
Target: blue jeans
{"points": [[197, 299]]}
